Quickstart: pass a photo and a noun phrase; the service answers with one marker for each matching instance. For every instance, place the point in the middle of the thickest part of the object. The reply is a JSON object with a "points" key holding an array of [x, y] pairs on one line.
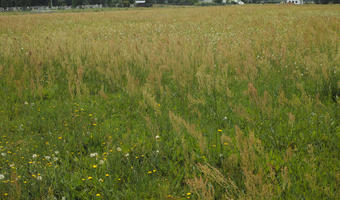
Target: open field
{"points": [[237, 102]]}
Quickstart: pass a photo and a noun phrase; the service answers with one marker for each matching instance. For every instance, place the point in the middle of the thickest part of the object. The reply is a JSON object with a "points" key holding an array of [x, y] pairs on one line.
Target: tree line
{"points": [[29, 3], [74, 3]]}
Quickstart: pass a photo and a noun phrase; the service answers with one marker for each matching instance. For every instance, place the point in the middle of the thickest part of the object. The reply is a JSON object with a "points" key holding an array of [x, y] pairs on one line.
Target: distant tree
{"points": [[76, 3], [218, 1], [4, 3]]}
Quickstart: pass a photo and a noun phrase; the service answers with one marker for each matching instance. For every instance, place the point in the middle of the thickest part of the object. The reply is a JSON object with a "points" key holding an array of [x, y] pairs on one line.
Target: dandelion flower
{"points": [[188, 193], [98, 195], [94, 166], [90, 177], [219, 130], [107, 175]]}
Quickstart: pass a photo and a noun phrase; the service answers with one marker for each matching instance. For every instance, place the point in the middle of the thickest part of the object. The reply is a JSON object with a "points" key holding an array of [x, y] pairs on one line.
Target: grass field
{"points": [[236, 102]]}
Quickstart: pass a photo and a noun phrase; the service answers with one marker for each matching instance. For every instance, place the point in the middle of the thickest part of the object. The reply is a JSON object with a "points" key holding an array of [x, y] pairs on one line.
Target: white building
{"points": [[294, 1]]}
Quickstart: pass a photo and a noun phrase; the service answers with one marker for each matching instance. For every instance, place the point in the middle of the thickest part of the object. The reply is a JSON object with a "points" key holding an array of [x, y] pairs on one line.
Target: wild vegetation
{"points": [[171, 103]]}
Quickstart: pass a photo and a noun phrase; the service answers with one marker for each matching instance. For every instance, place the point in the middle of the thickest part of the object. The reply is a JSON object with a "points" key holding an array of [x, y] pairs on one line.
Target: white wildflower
{"points": [[127, 155], [26, 103], [56, 152], [34, 155], [11, 165], [47, 157], [2, 176], [157, 137], [101, 162], [39, 178], [119, 149], [55, 159], [157, 151], [3, 154], [93, 155]]}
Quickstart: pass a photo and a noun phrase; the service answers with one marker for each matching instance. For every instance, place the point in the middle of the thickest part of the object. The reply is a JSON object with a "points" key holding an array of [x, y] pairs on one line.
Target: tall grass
{"points": [[202, 103]]}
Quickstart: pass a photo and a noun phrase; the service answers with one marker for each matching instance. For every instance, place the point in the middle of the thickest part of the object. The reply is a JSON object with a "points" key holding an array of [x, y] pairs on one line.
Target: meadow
{"points": [[235, 102]]}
